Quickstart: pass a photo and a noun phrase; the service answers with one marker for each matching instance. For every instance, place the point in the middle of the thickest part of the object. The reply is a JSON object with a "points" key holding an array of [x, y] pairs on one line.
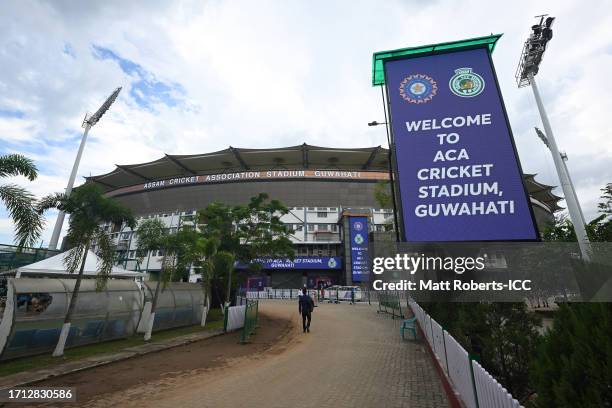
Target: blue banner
{"points": [[305, 262], [360, 258], [456, 165]]}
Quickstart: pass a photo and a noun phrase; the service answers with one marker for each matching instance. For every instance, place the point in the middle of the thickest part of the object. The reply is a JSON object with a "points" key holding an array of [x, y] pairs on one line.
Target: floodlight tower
{"points": [[88, 123], [528, 67]]}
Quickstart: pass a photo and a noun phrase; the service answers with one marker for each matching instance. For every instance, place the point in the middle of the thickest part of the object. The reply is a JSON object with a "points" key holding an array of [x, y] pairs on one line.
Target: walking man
{"points": [[305, 306]]}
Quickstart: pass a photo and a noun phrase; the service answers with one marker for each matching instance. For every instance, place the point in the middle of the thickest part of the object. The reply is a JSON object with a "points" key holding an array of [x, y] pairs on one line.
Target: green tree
{"points": [[382, 194], [178, 254], [88, 210], [18, 201], [605, 206], [598, 230], [246, 233], [572, 368]]}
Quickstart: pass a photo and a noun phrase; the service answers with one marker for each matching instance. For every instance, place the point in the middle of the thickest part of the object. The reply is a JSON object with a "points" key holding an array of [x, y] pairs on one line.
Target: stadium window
{"points": [[322, 227], [334, 228], [299, 227], [311, 208], [131, 254], [299, 208], [333, 209], [322, 214], [311, 227]]}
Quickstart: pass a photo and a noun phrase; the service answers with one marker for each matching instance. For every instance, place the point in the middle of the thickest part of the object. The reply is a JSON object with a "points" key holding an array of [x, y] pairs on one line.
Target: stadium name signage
{"points": [[265, 175]]}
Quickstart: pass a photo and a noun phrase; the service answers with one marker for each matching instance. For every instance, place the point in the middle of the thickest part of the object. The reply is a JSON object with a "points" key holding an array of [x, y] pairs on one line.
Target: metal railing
{"points": [[13, 257], [390, 303], [251, 316], [474, 385]]}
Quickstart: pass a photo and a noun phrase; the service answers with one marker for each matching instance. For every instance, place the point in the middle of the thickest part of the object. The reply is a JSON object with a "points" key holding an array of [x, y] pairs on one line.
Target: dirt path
{"points": [[352, 358], [164, 369]]}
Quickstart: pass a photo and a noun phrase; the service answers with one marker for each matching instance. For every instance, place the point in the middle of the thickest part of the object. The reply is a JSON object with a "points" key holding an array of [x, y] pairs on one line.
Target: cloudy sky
{"points": [[199, 76]]}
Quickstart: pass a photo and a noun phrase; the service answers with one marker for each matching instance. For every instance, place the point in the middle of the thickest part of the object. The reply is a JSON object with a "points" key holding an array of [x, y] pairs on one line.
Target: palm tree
{"points": [[152, 235], [19, 202], [212, 263], [88, 210]]}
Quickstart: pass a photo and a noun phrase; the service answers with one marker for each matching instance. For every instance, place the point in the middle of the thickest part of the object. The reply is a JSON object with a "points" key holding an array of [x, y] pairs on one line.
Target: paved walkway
{"points": [[352, 358]]}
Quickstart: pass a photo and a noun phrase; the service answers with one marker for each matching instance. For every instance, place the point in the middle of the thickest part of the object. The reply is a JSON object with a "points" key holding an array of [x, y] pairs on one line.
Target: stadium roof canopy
{"points": [[232, 159], [302, 156]]}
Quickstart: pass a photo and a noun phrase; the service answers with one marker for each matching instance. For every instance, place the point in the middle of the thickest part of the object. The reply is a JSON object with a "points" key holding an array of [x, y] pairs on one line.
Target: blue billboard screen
{"points": [[457, 170], [299, 262], [360, 258]]}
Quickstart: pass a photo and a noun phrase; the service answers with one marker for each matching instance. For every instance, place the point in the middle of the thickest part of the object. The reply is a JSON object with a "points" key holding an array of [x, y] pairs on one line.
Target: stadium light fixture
{"points": [[88, 123], [528, 67]]}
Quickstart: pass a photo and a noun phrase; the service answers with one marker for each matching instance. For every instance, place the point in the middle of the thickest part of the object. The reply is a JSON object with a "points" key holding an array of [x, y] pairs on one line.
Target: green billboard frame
{"points": [[378, 59]]}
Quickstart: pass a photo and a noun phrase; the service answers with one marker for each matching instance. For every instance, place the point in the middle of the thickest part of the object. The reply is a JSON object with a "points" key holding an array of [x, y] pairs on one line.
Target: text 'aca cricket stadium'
{"points": [[321, 186]]}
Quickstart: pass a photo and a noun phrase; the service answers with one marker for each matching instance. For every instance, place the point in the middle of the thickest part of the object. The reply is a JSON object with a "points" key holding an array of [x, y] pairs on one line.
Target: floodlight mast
{"points": [[528, 67], [88, 122]]}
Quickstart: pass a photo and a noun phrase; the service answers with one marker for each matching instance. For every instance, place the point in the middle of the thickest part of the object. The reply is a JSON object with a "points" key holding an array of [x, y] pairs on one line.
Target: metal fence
{"points": [[251, 315], [13, 257], [474, 385], [280, 294], [390, 303]]}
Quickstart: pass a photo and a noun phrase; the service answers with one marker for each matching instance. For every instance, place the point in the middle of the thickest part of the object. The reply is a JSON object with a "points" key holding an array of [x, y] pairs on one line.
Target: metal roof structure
{"points": [[232, 159], [298, 157]]}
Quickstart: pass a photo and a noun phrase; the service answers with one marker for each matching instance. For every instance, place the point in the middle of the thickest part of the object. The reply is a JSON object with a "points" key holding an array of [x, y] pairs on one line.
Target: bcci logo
{"points": [[358, 239], [465, 83], [418, 88], [331, 263]]}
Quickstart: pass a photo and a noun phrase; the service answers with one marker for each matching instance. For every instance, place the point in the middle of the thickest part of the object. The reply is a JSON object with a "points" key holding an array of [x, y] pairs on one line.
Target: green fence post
{"points": [[226, 311], [243, 337], [433, 343], [257, 314], [445, 355], [473, 357]]}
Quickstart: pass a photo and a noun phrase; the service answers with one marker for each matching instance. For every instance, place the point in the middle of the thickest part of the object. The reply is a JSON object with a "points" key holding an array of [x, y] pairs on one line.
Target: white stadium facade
{"points": [[321, 186]]}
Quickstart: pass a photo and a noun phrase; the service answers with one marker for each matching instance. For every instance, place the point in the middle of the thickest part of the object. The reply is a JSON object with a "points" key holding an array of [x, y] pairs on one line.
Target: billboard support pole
{"points": [[573, 206], [391, 179]]}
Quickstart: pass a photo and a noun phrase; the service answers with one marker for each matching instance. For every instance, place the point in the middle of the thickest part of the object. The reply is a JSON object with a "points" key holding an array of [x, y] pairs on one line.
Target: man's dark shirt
{"points": [[305, 304]]}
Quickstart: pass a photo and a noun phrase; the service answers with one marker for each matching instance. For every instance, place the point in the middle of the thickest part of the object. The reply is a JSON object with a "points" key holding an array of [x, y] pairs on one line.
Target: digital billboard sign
{"points": [[456, 165], [360, 258]]}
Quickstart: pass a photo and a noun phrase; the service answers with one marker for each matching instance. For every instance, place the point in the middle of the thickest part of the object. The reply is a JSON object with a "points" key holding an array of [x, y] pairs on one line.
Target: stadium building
{"points": [[321, 186]]}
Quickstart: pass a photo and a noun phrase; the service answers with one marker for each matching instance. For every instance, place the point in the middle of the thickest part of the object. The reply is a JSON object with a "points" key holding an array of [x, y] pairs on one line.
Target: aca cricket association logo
{"points": [[466, 83], [418, 88], [331, 263]]}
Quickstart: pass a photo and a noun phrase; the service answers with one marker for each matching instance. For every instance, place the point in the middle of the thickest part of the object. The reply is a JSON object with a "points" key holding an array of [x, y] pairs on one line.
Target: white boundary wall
{"points": [[235, 317], [479, 390]]}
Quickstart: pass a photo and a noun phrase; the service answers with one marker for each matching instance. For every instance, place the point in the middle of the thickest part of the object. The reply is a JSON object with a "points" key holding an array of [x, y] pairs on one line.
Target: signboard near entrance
{"points": [[457, 169], [304, 262], [360, 258]]}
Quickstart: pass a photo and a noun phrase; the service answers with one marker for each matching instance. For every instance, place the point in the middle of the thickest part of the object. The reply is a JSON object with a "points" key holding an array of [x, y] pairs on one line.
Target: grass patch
{"points": [[214, 321]]}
